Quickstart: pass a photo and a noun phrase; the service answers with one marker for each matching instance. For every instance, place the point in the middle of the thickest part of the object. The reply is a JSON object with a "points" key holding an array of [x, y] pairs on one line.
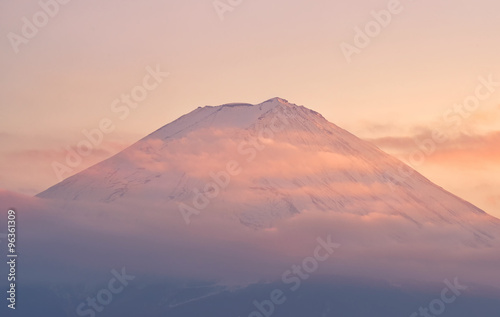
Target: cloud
{"points": [[87, 238], [464, 149], [466, 164], [27, 168]]}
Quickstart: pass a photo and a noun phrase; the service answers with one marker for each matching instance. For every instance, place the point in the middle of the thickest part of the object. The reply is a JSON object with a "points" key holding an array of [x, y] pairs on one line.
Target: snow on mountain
{"points": [[261, 163]]}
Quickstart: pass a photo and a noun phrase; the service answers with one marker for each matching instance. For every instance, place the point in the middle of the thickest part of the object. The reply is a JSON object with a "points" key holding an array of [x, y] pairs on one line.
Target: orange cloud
{"points": [[464, 149]]}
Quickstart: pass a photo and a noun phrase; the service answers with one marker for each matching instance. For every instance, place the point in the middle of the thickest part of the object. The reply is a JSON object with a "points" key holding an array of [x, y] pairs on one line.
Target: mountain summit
{"points": [[265, 162]]}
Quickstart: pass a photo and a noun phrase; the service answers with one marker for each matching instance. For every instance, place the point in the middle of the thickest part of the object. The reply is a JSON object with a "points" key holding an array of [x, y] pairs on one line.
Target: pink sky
{"points": [[395, 91]]}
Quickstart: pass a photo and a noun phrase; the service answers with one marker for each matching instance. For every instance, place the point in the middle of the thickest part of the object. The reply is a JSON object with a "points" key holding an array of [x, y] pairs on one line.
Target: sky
{"points": [[394, 73]]}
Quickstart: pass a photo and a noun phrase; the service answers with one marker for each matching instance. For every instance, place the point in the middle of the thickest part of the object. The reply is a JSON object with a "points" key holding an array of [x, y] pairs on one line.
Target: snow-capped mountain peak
{"points": [[265, 162]]}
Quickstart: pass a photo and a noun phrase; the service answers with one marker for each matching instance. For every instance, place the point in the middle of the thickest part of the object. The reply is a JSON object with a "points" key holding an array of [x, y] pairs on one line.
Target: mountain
{"points": [[259, 163], [217, 212]]}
